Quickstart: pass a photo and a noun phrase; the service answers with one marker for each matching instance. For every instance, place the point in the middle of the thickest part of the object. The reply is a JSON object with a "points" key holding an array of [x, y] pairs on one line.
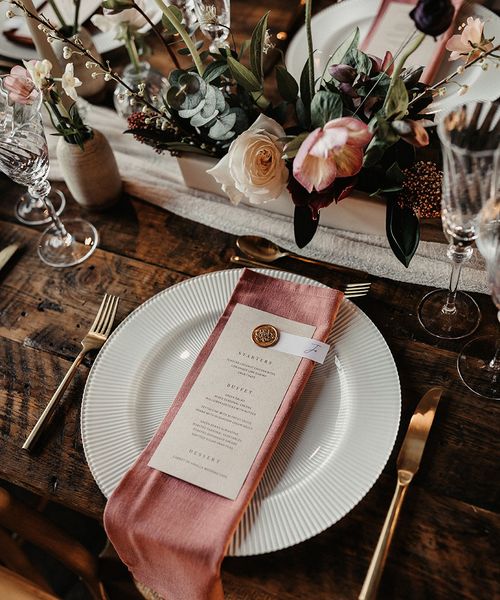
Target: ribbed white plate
{"points": [[336, 444]]}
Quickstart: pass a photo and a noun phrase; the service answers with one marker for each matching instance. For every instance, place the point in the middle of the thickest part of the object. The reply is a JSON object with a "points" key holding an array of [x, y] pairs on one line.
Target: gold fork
{"points": [[95, 338]]}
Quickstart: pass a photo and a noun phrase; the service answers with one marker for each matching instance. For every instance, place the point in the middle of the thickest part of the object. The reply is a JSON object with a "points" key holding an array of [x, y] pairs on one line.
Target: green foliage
{"points": [[214, 70], [243, 75], [174, 14], [292, 147], [396, 103], [325, 106], [403, 232], [118, 5], [287, 86], [256, 47]]}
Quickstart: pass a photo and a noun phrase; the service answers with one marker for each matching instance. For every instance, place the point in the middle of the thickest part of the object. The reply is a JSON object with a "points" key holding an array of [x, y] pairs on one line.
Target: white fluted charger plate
{"points": [[333, 450]]}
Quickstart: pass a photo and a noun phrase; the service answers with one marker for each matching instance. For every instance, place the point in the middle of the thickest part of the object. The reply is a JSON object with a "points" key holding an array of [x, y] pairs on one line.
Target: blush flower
{"points": [[470, 42], [39, 71], [19, 86], [69, 82], [336, 150], [254, 166]]}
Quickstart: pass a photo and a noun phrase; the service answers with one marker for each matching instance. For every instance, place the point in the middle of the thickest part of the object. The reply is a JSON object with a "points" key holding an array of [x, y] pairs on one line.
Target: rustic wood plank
{"points": [[427, 559]]}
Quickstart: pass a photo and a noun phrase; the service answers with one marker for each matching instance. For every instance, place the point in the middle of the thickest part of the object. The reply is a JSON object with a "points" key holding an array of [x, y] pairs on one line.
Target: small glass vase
{"points": [[156, 86]]}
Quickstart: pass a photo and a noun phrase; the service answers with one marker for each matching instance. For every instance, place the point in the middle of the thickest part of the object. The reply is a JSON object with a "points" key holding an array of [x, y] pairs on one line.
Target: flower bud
{"points": [[433, 17], [343, 73]]}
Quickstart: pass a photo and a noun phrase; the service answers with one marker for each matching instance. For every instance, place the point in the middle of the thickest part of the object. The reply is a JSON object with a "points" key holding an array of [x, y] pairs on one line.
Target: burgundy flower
{"points": [[433, 17]]}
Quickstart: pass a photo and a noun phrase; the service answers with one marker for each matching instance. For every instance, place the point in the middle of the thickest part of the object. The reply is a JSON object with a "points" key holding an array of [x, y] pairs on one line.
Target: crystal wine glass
{"points": [[24, 158], [214, 17], [479, 361], [32, 211], [468, 168]]}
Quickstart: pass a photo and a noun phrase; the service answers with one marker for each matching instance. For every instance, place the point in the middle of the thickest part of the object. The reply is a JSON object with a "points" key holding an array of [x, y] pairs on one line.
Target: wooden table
{"points": [[446, 546]]}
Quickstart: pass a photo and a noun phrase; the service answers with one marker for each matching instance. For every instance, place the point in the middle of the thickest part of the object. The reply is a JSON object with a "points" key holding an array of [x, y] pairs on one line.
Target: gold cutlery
{"points": [[351, 290], [408, 463], [95, 338], [258, 248], [6, 254]]}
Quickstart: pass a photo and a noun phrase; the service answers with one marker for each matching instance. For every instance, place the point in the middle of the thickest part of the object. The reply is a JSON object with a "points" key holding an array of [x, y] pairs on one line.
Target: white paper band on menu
{"points": [[301, 346]]}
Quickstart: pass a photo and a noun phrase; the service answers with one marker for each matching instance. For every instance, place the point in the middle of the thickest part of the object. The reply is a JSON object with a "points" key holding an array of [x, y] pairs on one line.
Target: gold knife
{"points": [[6, 254], [408, 462]]}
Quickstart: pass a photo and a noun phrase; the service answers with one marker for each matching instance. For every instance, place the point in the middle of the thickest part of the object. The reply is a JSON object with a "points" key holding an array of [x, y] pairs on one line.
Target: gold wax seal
{"points": [[265, 335]]}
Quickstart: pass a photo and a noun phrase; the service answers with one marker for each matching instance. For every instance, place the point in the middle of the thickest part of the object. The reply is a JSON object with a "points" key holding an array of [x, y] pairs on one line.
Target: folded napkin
{"points": [[173, 535]]}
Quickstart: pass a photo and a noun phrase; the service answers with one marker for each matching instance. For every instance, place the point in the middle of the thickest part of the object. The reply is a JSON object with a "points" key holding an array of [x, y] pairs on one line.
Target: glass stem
{"points": [[494, 364], [40, 191], [458, 255]]}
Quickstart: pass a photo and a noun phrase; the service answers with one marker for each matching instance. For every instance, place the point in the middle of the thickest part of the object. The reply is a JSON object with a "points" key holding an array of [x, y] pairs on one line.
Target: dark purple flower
{"points": [[343, 73], [433, 17]]}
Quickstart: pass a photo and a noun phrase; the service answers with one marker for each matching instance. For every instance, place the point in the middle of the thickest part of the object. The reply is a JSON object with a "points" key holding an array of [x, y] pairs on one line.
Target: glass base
{"points": [[33, 212], [458, 324], [72, 250], [474, 367]]}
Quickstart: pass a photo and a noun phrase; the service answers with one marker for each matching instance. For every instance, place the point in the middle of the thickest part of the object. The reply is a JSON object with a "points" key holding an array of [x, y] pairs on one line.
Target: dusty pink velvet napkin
{"points": [[173, 535]]}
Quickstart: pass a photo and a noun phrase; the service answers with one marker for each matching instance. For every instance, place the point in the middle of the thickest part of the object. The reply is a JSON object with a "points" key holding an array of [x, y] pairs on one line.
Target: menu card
{"points": [[217, 432]]}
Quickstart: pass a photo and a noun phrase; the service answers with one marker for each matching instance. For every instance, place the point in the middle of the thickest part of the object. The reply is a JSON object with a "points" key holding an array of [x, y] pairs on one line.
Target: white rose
{"points": [[254, 167]]}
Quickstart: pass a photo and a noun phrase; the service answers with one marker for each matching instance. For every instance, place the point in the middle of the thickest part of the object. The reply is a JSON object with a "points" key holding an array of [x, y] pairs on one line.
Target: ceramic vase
{"points": [[91, 174]]}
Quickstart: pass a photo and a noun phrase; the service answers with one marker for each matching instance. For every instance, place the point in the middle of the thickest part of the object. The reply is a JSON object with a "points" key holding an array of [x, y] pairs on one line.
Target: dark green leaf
{"points": [[243, 75], [214, 70], [395, 174], [403, 231], [359, 60], [325, 106], [396, 102], [305, 93], [287, 86], [292, 147], [256, 46], [244, 47], [345, 47], [184, 51], [304, 226]]}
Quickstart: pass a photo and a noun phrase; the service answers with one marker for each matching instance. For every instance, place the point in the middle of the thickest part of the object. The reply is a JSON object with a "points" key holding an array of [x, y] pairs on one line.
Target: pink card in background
{"points": [[393, 26]]}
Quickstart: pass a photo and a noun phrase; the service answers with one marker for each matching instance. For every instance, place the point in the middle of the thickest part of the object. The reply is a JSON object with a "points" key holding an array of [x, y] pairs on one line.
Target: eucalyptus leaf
{"points": [[325, 106], [256, 46], [403, 231], [222, 127], [243, 75], [287, 86]]}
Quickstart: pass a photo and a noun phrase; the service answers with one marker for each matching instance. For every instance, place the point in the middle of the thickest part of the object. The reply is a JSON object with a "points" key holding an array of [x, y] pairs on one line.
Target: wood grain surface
{"points": [[446, 546]]}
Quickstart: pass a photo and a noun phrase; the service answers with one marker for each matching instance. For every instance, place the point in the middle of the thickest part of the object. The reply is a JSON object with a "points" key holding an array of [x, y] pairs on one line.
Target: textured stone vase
{"points": [[90, 88], [91, 174]]}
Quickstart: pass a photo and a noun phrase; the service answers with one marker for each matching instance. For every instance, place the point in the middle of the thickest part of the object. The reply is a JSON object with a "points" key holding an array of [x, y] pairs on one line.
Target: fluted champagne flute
{"points": [[468, 168], [24, 158], [479, 362]]}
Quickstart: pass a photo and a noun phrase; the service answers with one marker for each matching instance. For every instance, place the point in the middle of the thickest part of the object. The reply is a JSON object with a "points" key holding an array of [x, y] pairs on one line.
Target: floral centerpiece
{"points": [[356, 124]]}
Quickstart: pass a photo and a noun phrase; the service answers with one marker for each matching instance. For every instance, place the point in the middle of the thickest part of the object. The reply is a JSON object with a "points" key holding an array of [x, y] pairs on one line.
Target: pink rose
{"points": [[19, 86], [336, 150]]}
